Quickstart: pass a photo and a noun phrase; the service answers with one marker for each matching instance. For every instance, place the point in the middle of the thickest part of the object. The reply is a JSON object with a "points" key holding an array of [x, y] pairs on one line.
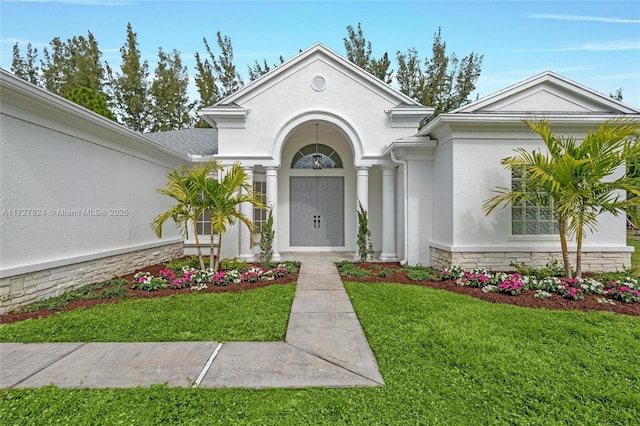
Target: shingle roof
{"points": [[188, 141]]}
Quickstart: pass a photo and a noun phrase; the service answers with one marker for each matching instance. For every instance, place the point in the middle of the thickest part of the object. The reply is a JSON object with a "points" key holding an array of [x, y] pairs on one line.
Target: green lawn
{"points": [[446, 359], [257, 315]]}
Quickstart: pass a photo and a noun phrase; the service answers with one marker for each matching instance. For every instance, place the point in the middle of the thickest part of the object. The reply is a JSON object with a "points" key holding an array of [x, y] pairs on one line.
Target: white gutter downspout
{"points": [[406, 204]]}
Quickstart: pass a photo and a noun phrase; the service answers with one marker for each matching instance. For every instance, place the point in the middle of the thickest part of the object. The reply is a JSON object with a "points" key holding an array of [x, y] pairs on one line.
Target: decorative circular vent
{"points": [[318, 83]]}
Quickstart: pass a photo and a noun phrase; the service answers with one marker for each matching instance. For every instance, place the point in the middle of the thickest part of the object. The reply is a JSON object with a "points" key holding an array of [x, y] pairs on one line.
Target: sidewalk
{"points": [[324, 346]]}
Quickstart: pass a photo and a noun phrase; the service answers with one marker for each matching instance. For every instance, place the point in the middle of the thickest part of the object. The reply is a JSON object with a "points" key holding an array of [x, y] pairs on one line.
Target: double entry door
{"points": [[317, 211]]}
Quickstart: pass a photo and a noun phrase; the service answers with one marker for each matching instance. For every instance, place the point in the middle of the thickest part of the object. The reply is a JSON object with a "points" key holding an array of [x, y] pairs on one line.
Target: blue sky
{"points": [[595, 43]]}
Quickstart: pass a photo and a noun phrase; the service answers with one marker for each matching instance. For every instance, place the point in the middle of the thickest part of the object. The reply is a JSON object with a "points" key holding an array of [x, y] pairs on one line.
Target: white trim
{"points": [[28, 97], [529, 249], [317, 52], [316, 115], [26, 269]]}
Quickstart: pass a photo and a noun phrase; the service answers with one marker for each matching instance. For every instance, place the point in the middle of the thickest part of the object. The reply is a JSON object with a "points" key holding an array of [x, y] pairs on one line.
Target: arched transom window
{"points": [[304, 158]]}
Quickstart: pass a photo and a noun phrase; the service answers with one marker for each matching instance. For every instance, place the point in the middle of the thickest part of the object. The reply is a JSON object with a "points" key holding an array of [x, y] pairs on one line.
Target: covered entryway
{"points": [[317, 211]]}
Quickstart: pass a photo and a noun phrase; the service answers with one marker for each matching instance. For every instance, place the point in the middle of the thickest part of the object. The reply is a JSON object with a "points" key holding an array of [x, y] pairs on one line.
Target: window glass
{"points": [[304, 157]]}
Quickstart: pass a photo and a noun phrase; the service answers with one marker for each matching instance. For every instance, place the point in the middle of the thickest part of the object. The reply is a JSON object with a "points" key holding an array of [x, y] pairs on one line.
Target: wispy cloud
{"points": [[585, 18], [590, 47], [627, 76], [10, 41]]}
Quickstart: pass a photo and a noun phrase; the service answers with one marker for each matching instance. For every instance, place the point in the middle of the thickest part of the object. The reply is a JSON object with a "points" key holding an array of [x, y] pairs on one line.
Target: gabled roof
{"points": [[550, 93], [315, 52], [188, 141], [545, 95]]}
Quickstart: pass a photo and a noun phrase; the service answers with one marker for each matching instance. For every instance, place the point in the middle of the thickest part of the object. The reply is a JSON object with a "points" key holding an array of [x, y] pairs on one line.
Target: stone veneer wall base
{"points": [[21, 290], [500, 261]]}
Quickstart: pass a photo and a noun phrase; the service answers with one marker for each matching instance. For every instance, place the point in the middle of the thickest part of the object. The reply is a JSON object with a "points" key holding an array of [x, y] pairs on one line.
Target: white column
{"points": [[362, 195], [245, 236], [388, 216], [362, 187], [272, 202]]}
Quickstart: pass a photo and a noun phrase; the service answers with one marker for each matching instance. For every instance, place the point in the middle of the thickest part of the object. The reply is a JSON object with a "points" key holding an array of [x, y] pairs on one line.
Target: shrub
{"points": [[266, 240], [177, 264], [235, 263], [451, 273], [385, 272], [348, 269], [365, 248], [421, 273], [551, 269], [153, 284]]}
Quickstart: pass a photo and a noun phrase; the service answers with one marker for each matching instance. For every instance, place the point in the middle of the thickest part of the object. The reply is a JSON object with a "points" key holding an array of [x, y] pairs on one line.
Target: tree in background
{"points": [[130, 87], [359, 52], [90, 99], [26, 67], [171, 109], [74, 63], [205, 78], [226, 73], [618, 95], [216, 77], [446, 82], [258, 70], [72, 69], [574, 179]]}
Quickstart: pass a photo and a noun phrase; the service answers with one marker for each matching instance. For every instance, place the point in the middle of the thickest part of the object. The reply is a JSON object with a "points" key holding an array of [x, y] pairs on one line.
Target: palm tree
{"points": [[222, 199], [182, 187], [575, 179]]}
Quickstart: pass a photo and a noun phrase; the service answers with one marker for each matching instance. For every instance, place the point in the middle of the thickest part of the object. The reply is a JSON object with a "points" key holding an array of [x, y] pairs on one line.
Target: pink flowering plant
{"points": [[178, 276], [570, 292], [626, 291], [512, 285]]}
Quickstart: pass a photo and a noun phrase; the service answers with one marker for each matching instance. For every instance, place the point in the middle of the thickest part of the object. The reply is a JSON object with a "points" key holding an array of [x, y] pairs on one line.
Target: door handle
{"points": [[316, 221]]}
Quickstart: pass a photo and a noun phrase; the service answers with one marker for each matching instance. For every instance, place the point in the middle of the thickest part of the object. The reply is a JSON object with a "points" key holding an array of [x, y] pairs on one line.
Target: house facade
{"points": [[318, 136], [422, 187]]}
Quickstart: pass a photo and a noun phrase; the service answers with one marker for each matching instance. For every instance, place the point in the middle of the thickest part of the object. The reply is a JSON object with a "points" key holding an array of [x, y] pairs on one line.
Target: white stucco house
{"points": [[317, 135]]}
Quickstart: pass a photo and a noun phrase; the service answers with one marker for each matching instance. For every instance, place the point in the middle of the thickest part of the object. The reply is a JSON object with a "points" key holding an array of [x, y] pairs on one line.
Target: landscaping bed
{"points": [[370, 272], [124, 288], [393, 272]]}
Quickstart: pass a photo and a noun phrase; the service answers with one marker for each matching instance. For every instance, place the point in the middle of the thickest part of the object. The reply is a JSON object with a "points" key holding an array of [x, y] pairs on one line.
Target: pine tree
{"points": [[76, 63], [130, 87], [359, 52], [26, 68], [446, 83], [226, 73], [171, 108], [258, 70], [90, 99]]}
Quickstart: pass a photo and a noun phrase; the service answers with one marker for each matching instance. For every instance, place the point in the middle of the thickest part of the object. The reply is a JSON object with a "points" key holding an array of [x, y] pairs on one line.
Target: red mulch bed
{"points": [[524, 299], [142, 294]]}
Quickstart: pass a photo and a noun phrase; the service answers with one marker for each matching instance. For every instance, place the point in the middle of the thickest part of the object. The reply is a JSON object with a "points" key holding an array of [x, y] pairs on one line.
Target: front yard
{"points": [[446, 358]]}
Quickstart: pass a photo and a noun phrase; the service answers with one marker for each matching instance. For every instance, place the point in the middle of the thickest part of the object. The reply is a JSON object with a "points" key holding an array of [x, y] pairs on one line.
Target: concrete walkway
{"points": [[324, 346]]}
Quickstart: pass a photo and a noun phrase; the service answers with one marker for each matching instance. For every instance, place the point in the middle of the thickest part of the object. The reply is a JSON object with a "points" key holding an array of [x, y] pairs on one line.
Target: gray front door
{"points": [[317, 211]]}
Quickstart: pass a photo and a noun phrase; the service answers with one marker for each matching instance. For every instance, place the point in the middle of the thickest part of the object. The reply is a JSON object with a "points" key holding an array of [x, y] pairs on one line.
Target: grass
{"points": [[260, 314], [447, 359]]}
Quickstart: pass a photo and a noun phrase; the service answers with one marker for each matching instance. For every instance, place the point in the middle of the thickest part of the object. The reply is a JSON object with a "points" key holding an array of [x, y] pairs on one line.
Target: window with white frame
{"points": [[529, 218], [260, 215], [203, 224]]}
